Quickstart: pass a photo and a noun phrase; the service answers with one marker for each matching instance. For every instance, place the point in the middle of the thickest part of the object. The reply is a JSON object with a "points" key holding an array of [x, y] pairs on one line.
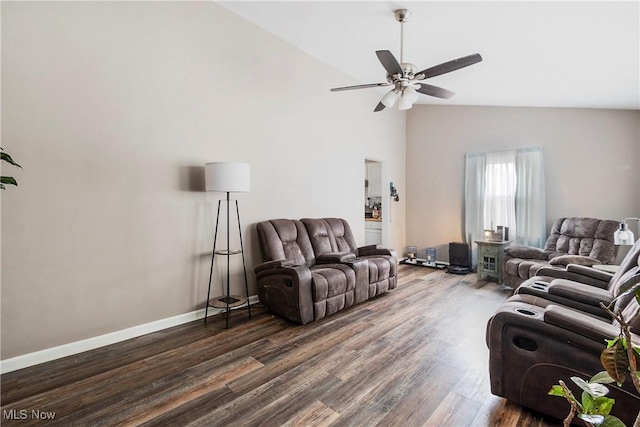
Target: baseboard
{"points": [[53, 353]]}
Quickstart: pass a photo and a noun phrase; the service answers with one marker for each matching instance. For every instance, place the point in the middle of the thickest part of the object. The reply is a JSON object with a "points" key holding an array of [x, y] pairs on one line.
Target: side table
{"points": [[490, 258]]}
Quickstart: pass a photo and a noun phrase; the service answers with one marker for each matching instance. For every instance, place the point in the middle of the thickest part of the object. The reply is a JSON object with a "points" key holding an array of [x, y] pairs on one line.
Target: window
{"points": [[500, 191], [506, 188]]}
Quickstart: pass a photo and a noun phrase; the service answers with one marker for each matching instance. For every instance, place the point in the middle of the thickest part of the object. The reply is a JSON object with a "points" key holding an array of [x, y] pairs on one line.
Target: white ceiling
{"points": [[540, 54]]}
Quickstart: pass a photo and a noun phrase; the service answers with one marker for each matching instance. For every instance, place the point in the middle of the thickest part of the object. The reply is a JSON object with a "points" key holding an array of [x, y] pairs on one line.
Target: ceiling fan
{"points": [[405, 77]]}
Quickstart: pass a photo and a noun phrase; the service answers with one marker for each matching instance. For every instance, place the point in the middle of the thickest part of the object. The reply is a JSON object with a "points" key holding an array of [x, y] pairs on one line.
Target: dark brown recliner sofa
{"points": [[535, 342], [304, 280], [585, 241]]}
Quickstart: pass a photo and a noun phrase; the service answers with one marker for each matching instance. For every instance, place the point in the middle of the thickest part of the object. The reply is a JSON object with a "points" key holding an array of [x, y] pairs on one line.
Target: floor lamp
{"points": [[624, 236], [227, 178]]}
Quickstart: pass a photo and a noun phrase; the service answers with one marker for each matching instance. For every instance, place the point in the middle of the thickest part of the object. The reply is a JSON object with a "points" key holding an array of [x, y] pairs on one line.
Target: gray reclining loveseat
{"points": [[313, 268]]}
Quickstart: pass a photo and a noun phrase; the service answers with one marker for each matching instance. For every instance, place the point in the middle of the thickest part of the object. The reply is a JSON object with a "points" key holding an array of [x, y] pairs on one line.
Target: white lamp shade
{"points": [[227, 177], [404, 103], [389, 99], [410, 93], [623, 236]]}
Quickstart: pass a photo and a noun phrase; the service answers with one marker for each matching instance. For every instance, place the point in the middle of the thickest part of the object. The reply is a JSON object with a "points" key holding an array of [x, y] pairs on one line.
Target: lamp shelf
{"points": [[232, 300], [228, 252]]}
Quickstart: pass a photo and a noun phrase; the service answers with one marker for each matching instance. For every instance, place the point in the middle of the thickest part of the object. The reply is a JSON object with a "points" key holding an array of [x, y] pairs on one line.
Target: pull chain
{"points": [[402, 41]]}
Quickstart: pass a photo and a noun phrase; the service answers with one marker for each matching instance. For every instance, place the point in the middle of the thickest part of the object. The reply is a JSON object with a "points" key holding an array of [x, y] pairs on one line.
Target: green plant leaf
{"points": [[8, 180], [611, 343], [556, 390], [612, 421], [602, 405], [587, 402], [614, 360], [7, 158], [602, 378]]}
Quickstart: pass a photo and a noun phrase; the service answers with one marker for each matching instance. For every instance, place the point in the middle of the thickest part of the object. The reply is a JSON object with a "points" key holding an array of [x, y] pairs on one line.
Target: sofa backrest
{"points": [[628, 304], [282, 239], [590, 237], [629, 267], [631, 260], [330, 235]]}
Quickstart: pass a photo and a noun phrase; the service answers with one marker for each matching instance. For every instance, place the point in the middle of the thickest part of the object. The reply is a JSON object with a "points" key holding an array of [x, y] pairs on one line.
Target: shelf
{"points": [[424, 263], [221, 301], [228, 252]]}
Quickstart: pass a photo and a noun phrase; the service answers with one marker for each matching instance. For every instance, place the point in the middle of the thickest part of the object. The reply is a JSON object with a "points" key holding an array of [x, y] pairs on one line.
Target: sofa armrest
{"points": [[274, 264], [335, 257], [565, 260], [286, 290], [578, 273], [526, 252], [580, 323], [580, 292], [367, 247], [376, 250], [566, 293], [605, 276]]}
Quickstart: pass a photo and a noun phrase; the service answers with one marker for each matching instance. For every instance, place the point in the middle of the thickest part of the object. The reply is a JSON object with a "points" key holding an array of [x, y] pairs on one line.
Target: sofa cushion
{"points": [[528, 268], [573, 259], [526, 252], [330, 280], [380, 270], [285, 239], [582, 236]]}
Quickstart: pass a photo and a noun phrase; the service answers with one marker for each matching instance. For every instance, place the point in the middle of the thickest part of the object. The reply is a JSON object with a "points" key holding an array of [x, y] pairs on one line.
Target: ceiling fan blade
{"points": [[389, 62], [438, 92], [450, 66], [338, 89], [379, 107]]}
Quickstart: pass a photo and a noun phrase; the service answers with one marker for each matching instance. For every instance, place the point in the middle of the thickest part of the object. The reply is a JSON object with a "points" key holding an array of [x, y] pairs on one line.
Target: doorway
{"points": [[373, 202]]}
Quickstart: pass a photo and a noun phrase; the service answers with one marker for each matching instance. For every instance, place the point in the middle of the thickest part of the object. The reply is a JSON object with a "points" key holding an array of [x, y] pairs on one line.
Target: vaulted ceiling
{"points": [[540, 54]]}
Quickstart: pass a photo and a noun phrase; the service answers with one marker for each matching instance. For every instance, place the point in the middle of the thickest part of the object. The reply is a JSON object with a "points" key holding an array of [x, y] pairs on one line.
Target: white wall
{"points": [[112, 109], [591, 162]]}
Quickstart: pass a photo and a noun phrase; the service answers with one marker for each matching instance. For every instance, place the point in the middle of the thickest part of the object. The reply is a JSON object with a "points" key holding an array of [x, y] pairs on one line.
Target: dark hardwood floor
{"points": [[415, 356]]}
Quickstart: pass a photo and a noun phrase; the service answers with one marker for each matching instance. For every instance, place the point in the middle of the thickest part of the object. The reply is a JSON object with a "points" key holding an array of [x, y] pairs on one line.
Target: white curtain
{"points": [[505, 188], [500, 191], [474, 188], [530, 198]]}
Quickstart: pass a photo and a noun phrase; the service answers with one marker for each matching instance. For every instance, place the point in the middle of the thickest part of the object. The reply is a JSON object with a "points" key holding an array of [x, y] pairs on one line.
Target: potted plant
{"points": [[7, 179], [621, 357]]}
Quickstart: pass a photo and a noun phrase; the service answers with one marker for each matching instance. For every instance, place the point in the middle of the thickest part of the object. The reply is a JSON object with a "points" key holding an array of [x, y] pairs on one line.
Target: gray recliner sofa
{"points": [[313, 268], [331, 235], [580, 287], [553, 329], [584, 241]]}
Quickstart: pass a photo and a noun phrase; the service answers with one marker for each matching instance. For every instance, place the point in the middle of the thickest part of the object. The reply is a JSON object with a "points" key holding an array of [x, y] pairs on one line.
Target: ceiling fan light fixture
{"points": [[404, 103], [404, 76], [410, 94], [389, 99]]}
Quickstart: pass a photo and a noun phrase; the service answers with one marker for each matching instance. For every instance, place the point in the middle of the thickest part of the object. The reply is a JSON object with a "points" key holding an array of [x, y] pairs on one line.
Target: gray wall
{"points": [[112, 109], [591, 162]]}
